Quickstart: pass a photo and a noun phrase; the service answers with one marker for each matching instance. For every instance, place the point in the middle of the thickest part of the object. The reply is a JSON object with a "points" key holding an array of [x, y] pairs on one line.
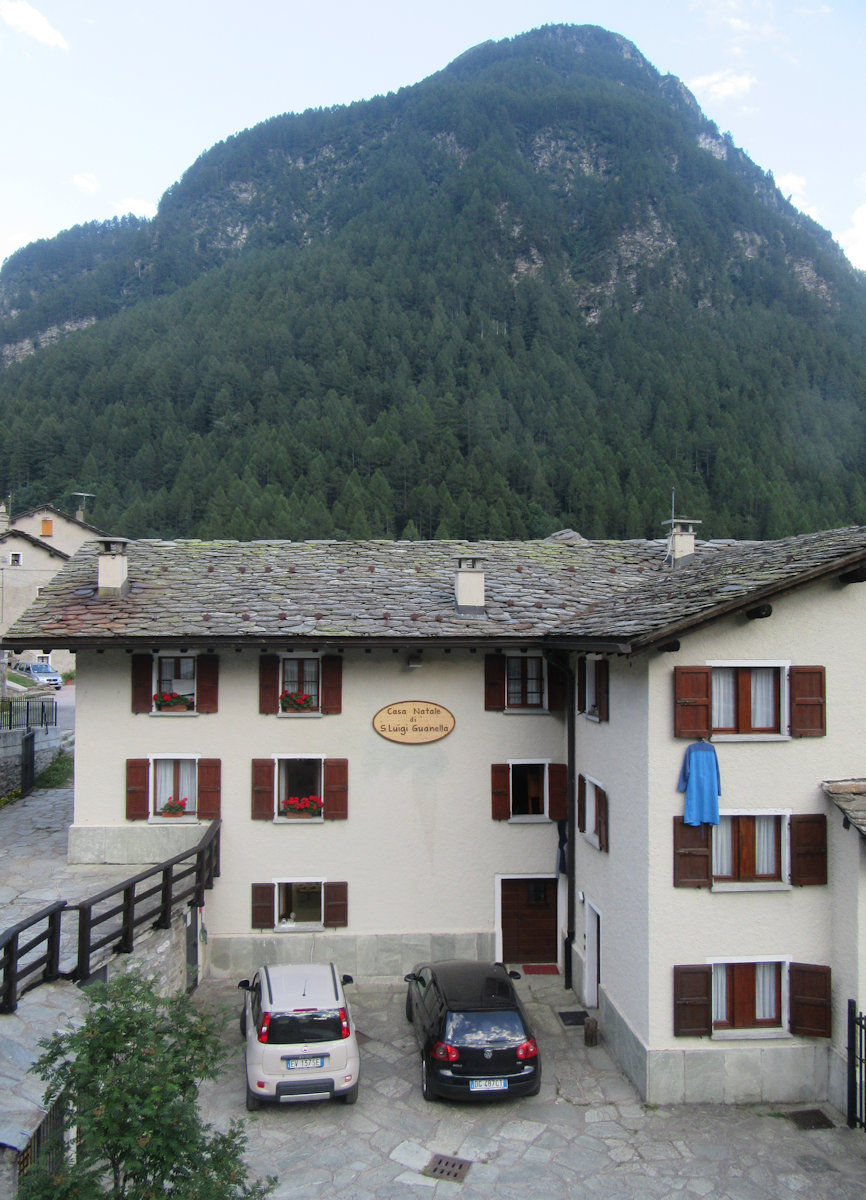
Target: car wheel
{"points": [[253, 1102], [426, 1087], [243, 1022], [409, 1006], [351, 1096]]}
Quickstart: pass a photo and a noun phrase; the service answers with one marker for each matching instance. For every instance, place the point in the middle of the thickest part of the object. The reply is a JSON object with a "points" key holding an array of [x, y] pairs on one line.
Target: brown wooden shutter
{"points": [[500, 791], [811, 1011], [263, 789], [808, 849], [557, 688], [332, 684], [207, 669], [602, 689], [142, 683], [336, 905], [137, 789], [269, 683], [693, 1004], [335, 789], [581, 684], [209, 789], [806, 686], [263, 905], [557, 791], [581, 803], [601, 819], [494, 682], [693, 710], [693, 860]]}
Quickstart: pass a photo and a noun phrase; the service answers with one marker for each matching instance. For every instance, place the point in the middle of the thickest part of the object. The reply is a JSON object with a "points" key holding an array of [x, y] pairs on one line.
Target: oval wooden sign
{"points": [[413, 722]]}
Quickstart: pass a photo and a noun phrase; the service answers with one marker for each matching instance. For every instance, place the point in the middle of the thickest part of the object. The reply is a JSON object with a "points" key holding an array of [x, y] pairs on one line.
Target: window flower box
{"points": [[172, 702], [297, 702], [303, 807], [174, 808]]}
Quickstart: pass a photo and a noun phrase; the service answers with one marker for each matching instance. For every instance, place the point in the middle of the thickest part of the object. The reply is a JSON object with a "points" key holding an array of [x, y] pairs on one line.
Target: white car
{"points": [[41, 672], [300, 1037]]}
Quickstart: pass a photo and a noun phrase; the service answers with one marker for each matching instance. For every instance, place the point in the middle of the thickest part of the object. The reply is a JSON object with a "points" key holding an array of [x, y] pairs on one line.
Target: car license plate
{"points": [[488, 1085], [300, 1064]]}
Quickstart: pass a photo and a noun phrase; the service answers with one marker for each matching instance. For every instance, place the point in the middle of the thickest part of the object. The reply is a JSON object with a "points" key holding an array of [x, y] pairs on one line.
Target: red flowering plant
{"points": [[172, 700], [173, 806], [296, 701], [307, 806]]}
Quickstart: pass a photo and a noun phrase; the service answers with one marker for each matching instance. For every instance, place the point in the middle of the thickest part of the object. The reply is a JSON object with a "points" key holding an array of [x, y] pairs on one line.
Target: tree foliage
{"points": [[127, 1080]]}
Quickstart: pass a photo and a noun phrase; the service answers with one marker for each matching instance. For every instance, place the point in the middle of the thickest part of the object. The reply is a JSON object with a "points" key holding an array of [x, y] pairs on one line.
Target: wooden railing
{"points": [[110, 918]]}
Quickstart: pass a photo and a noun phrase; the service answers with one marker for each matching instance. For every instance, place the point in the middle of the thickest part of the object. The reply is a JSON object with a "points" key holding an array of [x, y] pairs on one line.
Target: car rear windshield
{"points": [[286, 1029], [501, 1027]]}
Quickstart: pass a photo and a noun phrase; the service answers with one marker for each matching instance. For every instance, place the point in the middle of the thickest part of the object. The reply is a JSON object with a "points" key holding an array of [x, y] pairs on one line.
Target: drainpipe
{"points": [[571, 824]]}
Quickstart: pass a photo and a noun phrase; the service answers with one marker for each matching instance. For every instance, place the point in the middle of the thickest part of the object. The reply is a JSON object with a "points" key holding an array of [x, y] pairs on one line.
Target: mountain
{"points": [[538, 289]]}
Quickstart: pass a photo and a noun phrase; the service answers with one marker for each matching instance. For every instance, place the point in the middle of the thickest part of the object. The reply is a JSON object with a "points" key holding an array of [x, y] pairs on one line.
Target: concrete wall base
{"points": [[137, 844]]}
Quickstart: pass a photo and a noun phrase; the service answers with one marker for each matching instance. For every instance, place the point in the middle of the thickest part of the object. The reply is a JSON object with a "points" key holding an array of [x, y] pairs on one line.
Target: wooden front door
{"points": [[529, 920]]}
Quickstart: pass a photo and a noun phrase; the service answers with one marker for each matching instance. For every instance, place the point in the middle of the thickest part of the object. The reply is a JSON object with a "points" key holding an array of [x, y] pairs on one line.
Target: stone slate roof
{"points": [[849, 796], [618, 596]]}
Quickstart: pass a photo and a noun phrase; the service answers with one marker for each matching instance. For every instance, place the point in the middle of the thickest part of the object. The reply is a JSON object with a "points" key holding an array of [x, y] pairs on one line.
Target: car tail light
{"points": [[445, 1053], [528, 1049], [344, 1023], [263, 1028]]}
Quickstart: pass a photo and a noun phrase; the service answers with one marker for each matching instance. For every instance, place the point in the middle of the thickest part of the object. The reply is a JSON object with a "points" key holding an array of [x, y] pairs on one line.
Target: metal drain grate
{"points": [[573, 1018], [811, 1118], [441, 1166]]}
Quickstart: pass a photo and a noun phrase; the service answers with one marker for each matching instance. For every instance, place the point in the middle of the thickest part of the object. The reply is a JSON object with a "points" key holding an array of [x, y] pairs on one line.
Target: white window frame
{"points": [[590, 810], [528, 818], [525, 709], [765, 1032], [280, 758], [760, 885], [15, 558], [298, 654], [153, 815], [287, 926], [154, 683], [783, 666]]}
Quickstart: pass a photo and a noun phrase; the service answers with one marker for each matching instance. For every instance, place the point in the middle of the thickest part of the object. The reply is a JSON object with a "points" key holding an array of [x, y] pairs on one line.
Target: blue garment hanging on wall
{"points": [[702, 784]]}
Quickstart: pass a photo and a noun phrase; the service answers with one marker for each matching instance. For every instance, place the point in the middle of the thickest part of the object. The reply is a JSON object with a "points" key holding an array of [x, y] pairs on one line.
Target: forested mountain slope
{"points": [[537, 289]]}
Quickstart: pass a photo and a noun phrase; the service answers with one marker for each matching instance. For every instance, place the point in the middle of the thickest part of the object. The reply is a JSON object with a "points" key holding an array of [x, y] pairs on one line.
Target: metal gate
{"points": [[28, 761], [856, 1067]]}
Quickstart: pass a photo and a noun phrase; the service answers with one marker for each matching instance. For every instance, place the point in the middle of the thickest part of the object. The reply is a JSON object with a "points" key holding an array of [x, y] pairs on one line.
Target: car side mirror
{"points": [[410, 978], [347, 979], [514, 975], [244, 985]]}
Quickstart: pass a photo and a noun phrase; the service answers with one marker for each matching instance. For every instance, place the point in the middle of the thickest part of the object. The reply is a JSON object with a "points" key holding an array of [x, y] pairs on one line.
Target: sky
{"points": [[106, 103]]}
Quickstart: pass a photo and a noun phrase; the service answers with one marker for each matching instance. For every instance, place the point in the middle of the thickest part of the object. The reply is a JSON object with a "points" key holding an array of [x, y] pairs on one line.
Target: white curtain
{"points": [[765, 846], [724, 698], [722, 860], [765, 991], [763, 698], [165, 782], [720, 992]]}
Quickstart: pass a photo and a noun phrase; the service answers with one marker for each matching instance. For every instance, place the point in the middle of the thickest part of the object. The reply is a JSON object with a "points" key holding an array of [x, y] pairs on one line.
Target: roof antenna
{"points": [[83, 497]]}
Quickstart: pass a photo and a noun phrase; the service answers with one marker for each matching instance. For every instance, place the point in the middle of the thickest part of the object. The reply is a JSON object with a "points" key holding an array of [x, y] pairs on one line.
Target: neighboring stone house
{"points": [[474, 749]]}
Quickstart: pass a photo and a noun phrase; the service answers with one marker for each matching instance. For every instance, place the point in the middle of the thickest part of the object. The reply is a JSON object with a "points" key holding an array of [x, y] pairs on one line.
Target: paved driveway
{"points": [[586, 1135]]}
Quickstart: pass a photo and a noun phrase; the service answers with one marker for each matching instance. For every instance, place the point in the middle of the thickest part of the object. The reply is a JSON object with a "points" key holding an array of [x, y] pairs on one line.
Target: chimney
{"points": [[469, 588], [4, 518], [113, 567], [681, 540]]}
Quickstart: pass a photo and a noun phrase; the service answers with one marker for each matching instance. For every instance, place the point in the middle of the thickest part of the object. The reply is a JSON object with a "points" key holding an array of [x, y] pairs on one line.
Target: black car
{"points": [[473, 1034]]}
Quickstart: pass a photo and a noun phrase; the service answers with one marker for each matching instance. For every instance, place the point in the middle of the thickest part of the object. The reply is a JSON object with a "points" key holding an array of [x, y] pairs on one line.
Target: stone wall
{"points": [[47, 748]]}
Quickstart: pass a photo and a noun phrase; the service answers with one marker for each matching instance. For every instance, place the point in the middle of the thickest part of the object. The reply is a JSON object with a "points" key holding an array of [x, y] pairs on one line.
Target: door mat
{"points": [[540, 969], [574, 1017], [810, 1118]]}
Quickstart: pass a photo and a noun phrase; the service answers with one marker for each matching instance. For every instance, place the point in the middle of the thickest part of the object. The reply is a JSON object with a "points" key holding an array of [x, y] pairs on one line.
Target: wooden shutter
{"points": [[557, 791], [137, 789], [263, 789], [335, 909], [557, 688], [332, 684], [263, 905], [811, 1012], [269, 683], [808, 849], [500, 780], [581, 684], [494, 682], [806, 688], [209, 789], [693, 710], [335, 789], [142, 683], [693, 860], [207, 670], [693, 1003], [602, 689], [601, 819], [581, 804]]}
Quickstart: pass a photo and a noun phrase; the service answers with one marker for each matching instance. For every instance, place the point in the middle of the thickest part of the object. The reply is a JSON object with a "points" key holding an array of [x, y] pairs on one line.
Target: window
{"points": [[524, 681], [768, 700], [172, 684], [296, 788], [592, 812], [157, 787], [752, 850], [529, 789], [593, 687], [304, 904], [15, 559], [729, 997], [298, 684]]}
